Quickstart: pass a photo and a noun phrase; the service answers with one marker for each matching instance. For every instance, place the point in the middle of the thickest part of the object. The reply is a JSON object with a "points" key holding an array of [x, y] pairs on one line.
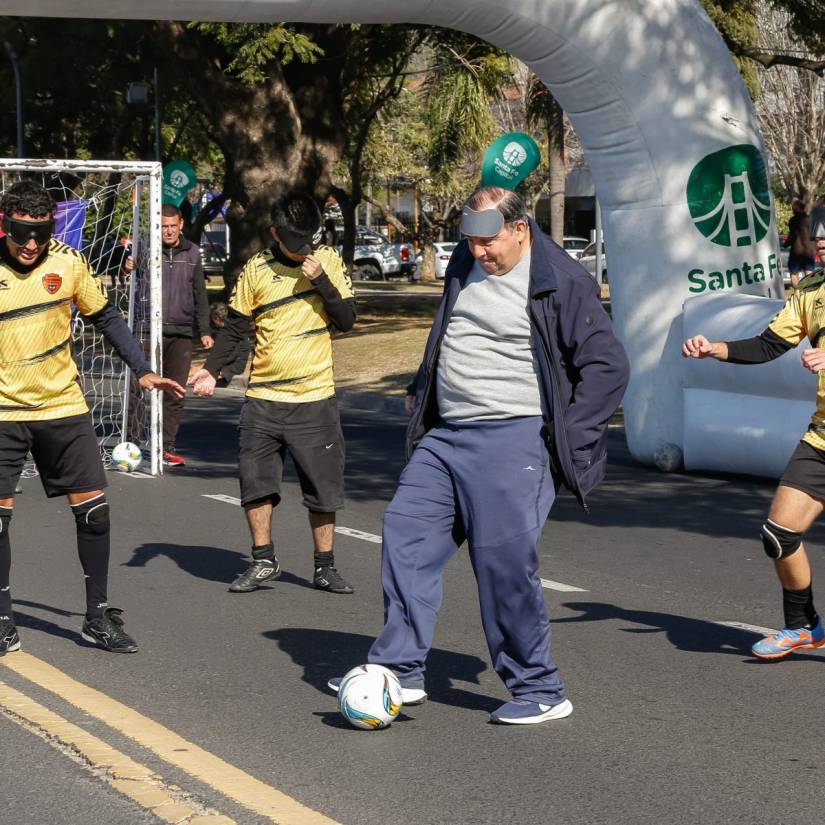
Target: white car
{"points": [[573, 245], [588, 260], [443, 253]]}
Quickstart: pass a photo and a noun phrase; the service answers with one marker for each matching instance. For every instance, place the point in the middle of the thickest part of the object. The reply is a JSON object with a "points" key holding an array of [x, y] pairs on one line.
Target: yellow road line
{"points": [[234, 783], [125, 775]]}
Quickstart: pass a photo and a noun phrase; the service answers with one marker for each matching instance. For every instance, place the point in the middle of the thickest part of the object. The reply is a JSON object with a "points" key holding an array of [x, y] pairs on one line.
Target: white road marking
{"points": [[133, 474], [359, 534], [564, 588], [755, 628], [344, 531], [225, 499], [548, 584]]}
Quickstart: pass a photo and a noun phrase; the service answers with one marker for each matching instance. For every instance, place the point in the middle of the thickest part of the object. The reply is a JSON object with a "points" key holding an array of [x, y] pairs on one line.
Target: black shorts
{"points": [[806, 471], [65, 451], [311, 433]]}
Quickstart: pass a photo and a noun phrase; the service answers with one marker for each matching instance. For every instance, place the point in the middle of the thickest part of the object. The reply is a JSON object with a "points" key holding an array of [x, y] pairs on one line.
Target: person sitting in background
{"points": [[236, 365]]}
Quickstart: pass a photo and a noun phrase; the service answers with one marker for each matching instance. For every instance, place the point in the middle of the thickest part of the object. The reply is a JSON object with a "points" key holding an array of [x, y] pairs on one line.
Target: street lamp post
{"points": [[137, 94], [18, 83]]}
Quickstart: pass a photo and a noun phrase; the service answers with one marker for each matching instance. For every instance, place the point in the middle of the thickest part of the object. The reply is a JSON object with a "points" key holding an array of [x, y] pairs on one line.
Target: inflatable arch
{"points": [[673, 146]]}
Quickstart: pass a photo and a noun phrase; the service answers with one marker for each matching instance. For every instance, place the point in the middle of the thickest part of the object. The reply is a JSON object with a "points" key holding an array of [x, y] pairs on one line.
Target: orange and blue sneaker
{"points": [[786, 641]]}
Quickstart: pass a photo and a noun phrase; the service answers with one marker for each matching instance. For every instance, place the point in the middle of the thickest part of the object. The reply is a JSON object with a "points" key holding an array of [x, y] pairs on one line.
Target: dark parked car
{"points": [[213, 257]]}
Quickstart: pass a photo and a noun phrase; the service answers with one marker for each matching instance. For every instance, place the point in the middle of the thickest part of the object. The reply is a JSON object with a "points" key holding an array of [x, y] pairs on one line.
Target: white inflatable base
{"points": [[762, 432], [742, 418]]}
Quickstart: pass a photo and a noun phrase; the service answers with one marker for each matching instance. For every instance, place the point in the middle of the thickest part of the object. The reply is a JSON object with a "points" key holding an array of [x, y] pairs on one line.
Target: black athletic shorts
{"points": [[65, 452], [806, 471], [311, 433]]}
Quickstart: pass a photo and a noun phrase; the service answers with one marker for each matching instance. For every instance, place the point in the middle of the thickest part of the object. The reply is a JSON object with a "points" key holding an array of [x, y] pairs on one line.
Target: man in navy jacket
{"points": [[520, 375]]}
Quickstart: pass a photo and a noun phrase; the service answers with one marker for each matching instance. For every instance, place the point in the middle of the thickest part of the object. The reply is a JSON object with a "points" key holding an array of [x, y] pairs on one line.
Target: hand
{"points": [[203, 383], [208, 341], [814, 360], [129, 263], [152, 381], [312, 268], [409, 403], [697, 347]]}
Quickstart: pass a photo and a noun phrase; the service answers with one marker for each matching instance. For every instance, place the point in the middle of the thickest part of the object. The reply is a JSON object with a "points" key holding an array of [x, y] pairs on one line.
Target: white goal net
{"points": [[109, 210]]}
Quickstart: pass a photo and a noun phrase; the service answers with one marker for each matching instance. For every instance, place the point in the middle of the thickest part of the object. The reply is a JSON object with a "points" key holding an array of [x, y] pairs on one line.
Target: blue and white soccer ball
{"points": [[126, 456], [370, 697]]}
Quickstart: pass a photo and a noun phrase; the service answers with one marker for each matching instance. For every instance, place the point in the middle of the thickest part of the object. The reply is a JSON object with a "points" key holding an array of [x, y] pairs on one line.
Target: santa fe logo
{"points": [[728, 197], [514, 154], [730, 204]]}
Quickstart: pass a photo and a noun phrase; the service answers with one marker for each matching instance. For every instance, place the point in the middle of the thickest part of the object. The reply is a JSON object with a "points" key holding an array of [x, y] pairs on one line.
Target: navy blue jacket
{"points": [[583, 369]]}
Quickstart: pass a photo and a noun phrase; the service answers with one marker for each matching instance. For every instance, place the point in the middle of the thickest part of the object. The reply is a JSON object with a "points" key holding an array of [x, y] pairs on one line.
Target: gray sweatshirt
{"points": [[486, 368]]}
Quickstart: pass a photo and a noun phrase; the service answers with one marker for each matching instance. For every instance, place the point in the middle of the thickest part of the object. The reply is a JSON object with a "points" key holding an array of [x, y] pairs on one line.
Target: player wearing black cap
{"points": [[296, 292]]}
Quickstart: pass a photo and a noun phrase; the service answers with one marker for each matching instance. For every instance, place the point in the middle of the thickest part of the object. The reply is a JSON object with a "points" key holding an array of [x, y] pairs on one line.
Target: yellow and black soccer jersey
{"points": [[293, 349], [803, 316], [38, 376]]}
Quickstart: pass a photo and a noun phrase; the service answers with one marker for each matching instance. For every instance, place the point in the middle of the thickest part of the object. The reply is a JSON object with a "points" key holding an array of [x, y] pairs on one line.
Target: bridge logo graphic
{"points": [[728, 196]]}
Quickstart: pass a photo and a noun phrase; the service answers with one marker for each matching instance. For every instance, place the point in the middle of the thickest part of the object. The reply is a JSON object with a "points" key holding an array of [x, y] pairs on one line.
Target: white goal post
{"points": [[105, 210]]}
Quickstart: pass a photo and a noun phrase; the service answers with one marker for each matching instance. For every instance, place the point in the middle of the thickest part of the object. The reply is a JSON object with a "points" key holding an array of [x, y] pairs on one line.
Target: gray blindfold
{"points": [[486, 223]]}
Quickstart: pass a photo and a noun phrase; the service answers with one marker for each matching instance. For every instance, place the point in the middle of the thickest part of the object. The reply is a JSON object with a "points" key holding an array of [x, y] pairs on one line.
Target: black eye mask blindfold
{"points": [[299, 243], [22, 231]]}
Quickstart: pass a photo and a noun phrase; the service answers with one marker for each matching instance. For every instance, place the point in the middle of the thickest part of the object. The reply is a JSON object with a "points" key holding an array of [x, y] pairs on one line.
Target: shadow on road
{"points": [[684, 633], [216, 564], [327, 653]]}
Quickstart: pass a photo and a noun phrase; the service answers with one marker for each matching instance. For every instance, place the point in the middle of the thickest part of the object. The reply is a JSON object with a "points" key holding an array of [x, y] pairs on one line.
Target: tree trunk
{"points": [[557, 162], [272, 135]]}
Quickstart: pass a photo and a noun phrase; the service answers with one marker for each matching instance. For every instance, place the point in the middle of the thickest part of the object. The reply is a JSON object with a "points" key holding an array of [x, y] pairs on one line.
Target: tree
{"points": [[791, 110], [739, 22]]}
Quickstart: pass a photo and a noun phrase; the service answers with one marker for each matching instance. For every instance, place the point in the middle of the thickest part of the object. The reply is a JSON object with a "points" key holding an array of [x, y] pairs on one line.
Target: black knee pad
{"points": [[779, 542], [92, 516], [5, 520]]}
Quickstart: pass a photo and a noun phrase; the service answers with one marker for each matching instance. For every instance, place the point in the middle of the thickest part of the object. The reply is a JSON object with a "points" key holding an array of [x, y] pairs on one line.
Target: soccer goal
{"points": [[109, 210]]}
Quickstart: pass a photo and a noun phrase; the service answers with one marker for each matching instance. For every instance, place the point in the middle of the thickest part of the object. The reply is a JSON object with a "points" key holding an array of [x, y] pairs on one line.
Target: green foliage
{"points": [[782, 210], [467, 77], [737, 19], [253, 46]]}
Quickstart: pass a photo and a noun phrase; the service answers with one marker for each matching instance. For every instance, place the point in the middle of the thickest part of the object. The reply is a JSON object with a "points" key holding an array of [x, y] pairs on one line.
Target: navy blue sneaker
{"points": [[525, 712]]}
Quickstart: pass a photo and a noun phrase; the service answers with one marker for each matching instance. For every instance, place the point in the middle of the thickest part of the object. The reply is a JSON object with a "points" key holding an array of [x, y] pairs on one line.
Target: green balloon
{"points": [[509, 160], [178, 178]]}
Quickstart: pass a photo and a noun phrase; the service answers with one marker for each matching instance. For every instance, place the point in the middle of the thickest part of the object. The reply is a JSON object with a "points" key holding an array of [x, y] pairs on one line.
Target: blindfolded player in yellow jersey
{"points": [[42, 407], [800, 497], [296, 292]]}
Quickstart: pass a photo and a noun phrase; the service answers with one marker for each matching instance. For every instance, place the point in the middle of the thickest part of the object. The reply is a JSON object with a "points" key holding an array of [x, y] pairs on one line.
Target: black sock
{"points": [[93, 541], [799, 609], [324, 559], [263, 551], [5, 563]]}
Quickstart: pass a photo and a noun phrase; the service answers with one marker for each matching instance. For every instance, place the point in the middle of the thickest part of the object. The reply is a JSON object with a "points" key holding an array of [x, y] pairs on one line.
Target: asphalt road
{"points": [[673, 721]]}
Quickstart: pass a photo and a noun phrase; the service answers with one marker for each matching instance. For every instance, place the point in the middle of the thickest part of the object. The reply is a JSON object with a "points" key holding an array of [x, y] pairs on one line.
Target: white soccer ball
{"points": [[370, 697], [126, 456], [668, 457]]}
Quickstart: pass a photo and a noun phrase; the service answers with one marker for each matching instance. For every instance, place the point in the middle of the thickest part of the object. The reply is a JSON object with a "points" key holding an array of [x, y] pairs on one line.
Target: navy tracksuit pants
{"points": [[488, 482]]}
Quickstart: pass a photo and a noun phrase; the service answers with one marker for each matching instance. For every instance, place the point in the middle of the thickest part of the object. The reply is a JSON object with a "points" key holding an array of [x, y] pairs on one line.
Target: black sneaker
{"points": [[107, 632], [329, 579], [9, 640], [260, 571]]}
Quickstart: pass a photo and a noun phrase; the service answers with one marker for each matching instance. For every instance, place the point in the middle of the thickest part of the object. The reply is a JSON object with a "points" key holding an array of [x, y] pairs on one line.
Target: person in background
{"points": [[801, 258], [185, 307], [238, 359]]}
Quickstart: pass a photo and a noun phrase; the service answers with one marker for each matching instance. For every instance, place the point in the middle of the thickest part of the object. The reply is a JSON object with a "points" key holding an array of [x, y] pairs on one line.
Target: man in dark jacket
{"points": [[801, 259], [520, 375], [185, 303]]}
